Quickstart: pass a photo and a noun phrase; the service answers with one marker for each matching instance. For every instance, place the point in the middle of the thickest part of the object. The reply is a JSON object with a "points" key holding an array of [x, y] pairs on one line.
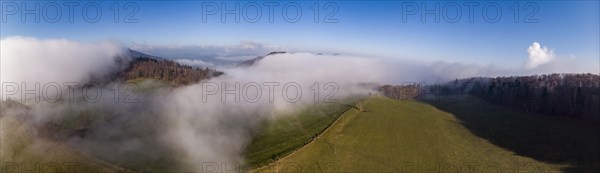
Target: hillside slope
{"points": [[282, 135], [165, 70], [22, 150], [404, 136], [253, 61], [550, 139]]}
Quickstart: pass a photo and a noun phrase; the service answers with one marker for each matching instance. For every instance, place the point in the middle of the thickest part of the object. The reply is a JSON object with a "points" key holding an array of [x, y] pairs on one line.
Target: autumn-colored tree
{"points": [[166, 70]]}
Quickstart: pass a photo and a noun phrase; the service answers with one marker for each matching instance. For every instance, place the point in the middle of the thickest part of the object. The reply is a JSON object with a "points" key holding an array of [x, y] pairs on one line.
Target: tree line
{"points": [[402, 92], [572, 95], [166, 70]]}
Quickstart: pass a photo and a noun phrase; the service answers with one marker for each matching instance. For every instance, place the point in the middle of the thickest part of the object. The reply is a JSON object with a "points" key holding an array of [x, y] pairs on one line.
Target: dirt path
{"points": [[269, 167]]}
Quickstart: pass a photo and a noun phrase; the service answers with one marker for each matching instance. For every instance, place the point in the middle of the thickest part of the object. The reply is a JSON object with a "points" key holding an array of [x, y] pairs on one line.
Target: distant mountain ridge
{"points": [[144, 65], [213, 58], [153, 67], [253, 61], [138, 54]]}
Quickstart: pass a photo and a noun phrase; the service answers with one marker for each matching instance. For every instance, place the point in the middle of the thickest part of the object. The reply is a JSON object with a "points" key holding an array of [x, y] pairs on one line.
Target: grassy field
{"points": [[411, 136], [456, 135], [550, 139], [25, 147], [22, 151], [286, 133]]}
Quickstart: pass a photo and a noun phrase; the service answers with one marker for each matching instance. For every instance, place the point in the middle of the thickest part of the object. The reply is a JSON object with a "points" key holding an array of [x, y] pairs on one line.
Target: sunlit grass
{"points": [[402, 136], [282, 135]]}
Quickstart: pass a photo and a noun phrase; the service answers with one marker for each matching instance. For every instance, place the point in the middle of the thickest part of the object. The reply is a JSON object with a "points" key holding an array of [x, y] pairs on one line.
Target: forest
{"points": [[166, 70], [571, 95]]}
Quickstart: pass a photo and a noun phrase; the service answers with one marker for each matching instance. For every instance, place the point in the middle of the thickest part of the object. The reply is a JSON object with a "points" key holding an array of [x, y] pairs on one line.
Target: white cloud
{"points": [[44, 61], [211, 131], [538, 55]]}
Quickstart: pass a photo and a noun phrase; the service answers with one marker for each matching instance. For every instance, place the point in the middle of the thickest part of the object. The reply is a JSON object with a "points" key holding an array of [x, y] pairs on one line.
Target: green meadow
{"points": [[457, 135]]}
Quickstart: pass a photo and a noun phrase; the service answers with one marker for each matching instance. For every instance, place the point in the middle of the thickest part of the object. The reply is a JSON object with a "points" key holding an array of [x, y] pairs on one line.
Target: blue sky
{"points": [[570, 28]]}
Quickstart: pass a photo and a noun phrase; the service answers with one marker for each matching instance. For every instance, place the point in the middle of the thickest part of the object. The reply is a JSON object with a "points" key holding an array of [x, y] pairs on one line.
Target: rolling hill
{"points": [[447, 136], [253, 61], [153, 67], [281, 136], [22, 150]]}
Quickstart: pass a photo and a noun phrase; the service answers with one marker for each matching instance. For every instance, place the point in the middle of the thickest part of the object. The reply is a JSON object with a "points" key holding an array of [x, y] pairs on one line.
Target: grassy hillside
{"points": [[551, 139], [410, 136], [286, 133], [22, 151]]}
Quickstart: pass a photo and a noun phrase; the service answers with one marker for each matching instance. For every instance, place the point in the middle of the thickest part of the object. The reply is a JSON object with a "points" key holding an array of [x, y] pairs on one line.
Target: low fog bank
{"points": [[211, 121], [48, 67], [165, 128]]}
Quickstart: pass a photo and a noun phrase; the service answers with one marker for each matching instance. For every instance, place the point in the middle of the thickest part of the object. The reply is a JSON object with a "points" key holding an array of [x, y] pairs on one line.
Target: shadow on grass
{"points": [[550, 139]]}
